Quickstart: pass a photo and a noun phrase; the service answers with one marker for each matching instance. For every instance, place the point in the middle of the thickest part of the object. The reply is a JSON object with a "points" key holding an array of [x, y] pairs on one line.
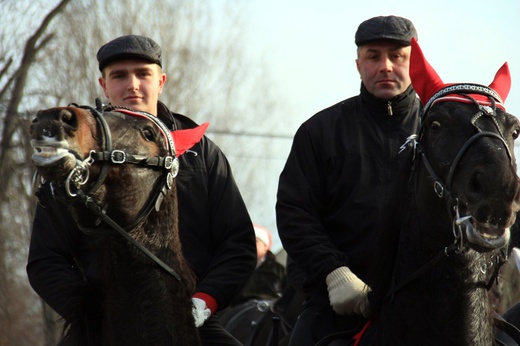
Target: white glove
{"points": [[347, 293], [200, 312]]}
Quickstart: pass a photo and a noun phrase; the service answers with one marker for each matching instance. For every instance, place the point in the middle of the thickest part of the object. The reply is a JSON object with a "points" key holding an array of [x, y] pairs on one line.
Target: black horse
{"points": [[116, 171], [457, 208]]}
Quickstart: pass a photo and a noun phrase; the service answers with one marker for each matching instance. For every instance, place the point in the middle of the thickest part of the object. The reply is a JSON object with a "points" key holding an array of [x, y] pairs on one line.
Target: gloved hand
{"points": [[200, 312], [347, 293]]}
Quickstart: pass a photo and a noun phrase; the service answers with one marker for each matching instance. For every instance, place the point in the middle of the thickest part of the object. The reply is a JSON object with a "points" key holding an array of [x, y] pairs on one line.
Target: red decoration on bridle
{"points": [[430, 87], [185, 139]]}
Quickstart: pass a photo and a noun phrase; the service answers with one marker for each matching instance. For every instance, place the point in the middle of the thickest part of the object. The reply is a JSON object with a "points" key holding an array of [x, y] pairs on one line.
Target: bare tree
{"points": [[16, 298]]}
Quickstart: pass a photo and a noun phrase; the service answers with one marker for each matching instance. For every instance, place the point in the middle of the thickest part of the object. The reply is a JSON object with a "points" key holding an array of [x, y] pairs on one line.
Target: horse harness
{"points": [[79, 176]]}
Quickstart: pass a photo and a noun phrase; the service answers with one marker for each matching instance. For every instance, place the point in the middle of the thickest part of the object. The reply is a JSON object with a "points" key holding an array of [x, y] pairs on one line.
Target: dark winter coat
{"points": [[334, 192]]}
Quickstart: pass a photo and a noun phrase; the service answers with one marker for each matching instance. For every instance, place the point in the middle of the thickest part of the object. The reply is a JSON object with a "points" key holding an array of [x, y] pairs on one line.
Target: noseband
{"points": [[80, 174]]}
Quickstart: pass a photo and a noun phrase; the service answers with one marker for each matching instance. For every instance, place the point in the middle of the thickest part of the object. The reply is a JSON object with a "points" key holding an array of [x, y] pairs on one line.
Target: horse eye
{"points": [[149, 133], [435, 125]]}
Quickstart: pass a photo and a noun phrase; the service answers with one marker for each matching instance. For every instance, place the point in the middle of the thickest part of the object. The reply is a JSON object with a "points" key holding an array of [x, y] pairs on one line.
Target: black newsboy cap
{"points": [[393, 28], [129, 47]]}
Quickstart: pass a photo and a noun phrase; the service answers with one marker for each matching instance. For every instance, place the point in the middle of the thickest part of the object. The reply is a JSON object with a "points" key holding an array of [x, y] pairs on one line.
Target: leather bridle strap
{"points": [[446, 252], [94, 208]]}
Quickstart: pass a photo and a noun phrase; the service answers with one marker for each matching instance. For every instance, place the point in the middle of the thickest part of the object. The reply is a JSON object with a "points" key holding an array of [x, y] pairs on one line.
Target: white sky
{"points": [[310, 51]]}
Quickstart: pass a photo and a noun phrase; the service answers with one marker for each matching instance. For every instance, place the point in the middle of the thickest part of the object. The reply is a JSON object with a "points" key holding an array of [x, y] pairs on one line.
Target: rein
{"points": [[80, 174]]}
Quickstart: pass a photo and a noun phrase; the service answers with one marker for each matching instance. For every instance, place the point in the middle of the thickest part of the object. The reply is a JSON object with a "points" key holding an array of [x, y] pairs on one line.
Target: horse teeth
{"points": [[50, 151]]}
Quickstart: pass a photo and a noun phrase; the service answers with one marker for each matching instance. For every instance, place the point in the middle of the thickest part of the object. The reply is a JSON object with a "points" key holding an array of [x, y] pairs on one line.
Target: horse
{"points": [[116, 171], [458, 202]]}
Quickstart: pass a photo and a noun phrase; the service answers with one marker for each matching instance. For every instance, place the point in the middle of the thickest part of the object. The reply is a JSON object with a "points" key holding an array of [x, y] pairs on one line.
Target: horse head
{"points": [[466, 143], [103, 155]]}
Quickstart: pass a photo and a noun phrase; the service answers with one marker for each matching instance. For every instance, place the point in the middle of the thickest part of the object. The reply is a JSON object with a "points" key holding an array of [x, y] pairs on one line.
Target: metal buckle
{"points": [[439, 189], [118, 156], [168, 162]]}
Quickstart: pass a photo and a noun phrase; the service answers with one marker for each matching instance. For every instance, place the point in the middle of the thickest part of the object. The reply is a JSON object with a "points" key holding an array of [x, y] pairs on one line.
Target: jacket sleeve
{"points": [[300, 209], [51, 269], [233, 245]]}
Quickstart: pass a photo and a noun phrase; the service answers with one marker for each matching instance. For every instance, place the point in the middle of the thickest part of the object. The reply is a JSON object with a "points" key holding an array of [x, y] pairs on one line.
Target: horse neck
{"points": [[129, 275], [447, 303]]}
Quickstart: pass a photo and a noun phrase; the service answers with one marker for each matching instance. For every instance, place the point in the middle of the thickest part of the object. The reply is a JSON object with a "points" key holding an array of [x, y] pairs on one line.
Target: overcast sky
{"points": [[309, 50]]}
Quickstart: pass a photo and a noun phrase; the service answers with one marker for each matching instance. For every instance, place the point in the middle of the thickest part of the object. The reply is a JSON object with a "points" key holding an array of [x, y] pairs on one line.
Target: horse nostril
{"points": [[67, 117]]}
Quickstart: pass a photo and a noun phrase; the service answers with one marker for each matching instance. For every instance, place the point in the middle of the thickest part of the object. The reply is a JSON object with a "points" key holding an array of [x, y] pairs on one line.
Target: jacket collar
{"points": [[400, 104]]}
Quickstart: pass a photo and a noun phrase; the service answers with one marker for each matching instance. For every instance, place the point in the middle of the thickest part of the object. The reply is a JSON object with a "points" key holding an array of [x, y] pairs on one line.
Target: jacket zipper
{"points": [[389, 108]]}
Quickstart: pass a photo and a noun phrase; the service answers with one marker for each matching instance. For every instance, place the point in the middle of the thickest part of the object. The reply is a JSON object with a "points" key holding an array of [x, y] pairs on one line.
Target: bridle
{"points": [[109, 156], [444, 189]]}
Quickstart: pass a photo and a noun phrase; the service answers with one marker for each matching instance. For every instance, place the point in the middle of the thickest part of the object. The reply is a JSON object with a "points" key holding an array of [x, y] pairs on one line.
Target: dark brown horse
{"points": [[458, 207], [116, 170]]}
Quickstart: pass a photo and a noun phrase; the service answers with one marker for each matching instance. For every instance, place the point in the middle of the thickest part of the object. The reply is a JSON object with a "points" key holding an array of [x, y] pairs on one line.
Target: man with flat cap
{"points": [[215, 229], [334, 194]]}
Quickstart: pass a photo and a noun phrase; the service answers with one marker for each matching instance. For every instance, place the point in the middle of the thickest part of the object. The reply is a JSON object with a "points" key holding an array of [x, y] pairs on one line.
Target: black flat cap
{"points": [[129, 47], [392, 28]]}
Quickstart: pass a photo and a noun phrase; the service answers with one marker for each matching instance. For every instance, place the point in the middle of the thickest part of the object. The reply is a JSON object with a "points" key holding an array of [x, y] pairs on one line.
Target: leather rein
{"points": [[109, 156]]}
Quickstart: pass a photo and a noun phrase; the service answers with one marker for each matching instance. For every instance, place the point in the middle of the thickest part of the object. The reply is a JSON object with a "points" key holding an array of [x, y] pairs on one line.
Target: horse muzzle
{"points": [[480, 237]]}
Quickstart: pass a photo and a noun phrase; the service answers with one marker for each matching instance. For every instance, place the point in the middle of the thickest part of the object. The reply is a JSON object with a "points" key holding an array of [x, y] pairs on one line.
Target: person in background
{"points": [[334, 194], [269, 279], [214, 225]]}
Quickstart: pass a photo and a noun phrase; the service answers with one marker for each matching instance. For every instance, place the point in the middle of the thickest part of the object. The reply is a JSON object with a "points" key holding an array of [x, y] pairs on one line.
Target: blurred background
{"points": [[255, 69]]}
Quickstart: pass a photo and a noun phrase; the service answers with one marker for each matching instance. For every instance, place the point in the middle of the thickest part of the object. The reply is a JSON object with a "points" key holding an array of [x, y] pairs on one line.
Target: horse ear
{"points": [[425, 80], [185, 139], [502, 82]]}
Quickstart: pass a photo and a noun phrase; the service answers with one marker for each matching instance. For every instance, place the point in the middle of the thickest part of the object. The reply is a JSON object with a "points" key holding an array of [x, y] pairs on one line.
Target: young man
{"points": [[335, 188], [215, 229]]}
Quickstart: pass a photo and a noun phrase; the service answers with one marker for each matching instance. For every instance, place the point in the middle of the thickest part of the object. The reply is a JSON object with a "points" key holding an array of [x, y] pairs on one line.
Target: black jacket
{"points": [[334, 192], [215, 230]]}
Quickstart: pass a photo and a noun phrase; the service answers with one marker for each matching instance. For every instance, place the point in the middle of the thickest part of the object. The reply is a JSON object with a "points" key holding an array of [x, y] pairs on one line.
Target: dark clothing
{"points": [[318, 321], [213, 334], [267, 282], [215, 229], [334, 192]]}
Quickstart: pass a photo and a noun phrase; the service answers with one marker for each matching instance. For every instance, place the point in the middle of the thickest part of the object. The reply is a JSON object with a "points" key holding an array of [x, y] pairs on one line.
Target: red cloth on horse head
{"points": [[182, 139], [185, 139], [427, 82]]}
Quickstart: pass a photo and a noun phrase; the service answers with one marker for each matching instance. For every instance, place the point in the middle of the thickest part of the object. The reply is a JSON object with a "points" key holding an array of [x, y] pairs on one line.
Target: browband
{"points": [[464, 89]]}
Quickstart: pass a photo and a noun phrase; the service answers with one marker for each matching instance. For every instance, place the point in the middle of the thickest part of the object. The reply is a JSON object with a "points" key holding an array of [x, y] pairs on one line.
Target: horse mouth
{"points": [[53, 159], [483, 237], [50, 153]]}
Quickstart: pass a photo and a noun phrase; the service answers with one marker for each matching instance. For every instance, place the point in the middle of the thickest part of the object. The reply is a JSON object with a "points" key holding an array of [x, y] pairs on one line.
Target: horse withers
{"points": [[116, 172]]}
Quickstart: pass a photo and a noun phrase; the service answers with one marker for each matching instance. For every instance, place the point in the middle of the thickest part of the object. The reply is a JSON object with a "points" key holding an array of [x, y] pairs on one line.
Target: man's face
{"points": [[384, 68], [134, 84]]}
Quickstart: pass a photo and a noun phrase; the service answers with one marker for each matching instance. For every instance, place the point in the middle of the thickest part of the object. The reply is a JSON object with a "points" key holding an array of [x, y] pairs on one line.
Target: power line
{"points": [[249, 134]]}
